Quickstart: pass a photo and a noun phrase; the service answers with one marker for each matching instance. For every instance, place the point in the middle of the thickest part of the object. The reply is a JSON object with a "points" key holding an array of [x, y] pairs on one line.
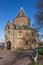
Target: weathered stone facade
{"points": [[19, 34]]}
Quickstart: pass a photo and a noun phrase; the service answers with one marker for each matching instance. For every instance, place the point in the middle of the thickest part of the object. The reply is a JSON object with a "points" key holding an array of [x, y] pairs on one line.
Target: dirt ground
{"points": [[40, 59], [14, 58]]}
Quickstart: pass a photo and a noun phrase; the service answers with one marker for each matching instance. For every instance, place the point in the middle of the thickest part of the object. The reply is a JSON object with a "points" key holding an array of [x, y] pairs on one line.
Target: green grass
{"points": [[33, 63], [40, 51]]}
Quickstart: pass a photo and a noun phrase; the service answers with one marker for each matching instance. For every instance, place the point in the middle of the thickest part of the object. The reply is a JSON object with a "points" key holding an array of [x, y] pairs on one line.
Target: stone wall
{"points": [[22, 20]]}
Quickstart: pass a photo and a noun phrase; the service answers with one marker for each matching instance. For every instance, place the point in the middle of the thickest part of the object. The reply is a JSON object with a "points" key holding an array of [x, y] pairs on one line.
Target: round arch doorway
{"points": [[8, 45]]}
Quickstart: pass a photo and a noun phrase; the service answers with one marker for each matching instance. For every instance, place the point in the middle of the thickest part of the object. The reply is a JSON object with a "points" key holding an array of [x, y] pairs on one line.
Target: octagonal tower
{"points": [[21, 18]]}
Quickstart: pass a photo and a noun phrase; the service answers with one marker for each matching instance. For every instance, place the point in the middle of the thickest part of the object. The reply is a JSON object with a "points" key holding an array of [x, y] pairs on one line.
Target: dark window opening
{"points": [[34, 41], [33, 33], [26, 33], [8, 27], [26, 42]]}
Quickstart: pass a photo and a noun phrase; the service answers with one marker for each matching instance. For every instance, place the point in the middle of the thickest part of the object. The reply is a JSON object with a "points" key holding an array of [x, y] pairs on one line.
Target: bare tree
{"points": [[39, 16]]}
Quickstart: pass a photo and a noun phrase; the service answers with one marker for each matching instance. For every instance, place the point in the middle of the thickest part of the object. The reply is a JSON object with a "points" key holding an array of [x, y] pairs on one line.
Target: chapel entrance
{"points": [[8, 45]]}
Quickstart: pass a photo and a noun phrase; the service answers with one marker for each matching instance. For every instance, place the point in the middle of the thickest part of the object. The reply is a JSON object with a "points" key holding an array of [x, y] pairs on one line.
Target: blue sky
{"points": [[9, 9]]}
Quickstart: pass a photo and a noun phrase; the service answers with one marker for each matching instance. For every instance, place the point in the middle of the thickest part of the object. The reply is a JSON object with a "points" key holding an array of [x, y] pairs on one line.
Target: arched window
{"points": [[8, 27], [33, 33], [26, 42], [34, 41], [26, 33]]}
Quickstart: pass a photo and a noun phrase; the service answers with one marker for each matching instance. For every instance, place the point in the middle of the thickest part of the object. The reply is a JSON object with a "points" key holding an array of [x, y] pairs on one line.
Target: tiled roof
{"points": [[23, 27]]}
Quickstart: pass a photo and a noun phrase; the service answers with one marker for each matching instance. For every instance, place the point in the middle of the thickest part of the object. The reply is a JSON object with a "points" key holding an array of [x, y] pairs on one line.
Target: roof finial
{"points": [[21, 7]]}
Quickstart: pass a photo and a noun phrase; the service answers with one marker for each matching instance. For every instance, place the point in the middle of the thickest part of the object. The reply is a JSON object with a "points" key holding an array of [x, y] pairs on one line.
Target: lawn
{"points": [[33, 63]]}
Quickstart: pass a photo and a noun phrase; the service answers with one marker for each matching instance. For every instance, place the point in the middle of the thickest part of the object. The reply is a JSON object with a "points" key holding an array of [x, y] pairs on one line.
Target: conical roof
{"points": [[21, 13]]}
